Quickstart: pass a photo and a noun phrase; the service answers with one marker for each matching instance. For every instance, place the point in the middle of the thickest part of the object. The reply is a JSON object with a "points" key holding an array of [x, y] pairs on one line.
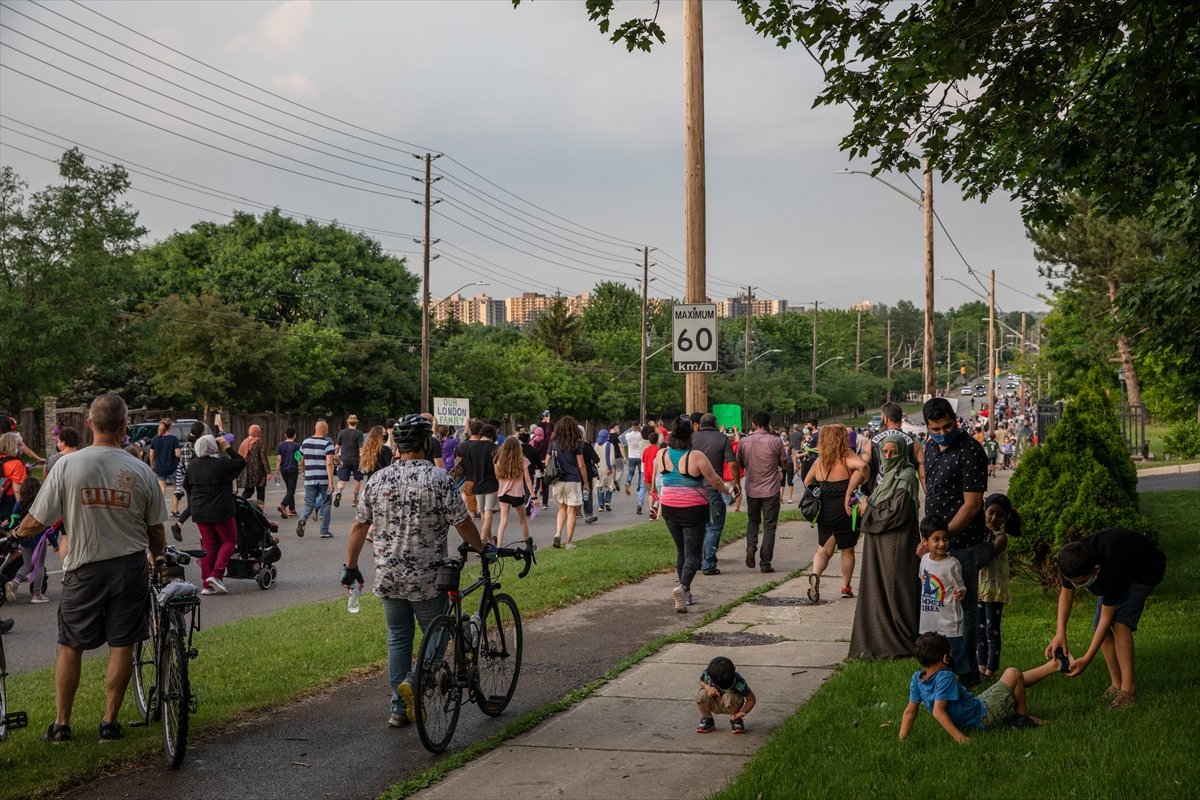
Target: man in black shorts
{"points": [[112, 511], [349, 443]]}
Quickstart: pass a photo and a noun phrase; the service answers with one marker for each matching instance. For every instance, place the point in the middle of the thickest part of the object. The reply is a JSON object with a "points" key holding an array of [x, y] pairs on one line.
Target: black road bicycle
{"points": [[475, 657], [9, 720], [160, 664]]}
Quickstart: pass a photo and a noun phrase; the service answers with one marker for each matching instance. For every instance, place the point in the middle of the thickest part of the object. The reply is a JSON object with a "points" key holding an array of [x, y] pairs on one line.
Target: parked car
{"points": [[140, 433], [966, 391]]}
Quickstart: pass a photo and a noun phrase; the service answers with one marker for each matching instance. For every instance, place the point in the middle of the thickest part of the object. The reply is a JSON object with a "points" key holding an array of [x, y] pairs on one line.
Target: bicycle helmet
{"points": [[411, 433]]}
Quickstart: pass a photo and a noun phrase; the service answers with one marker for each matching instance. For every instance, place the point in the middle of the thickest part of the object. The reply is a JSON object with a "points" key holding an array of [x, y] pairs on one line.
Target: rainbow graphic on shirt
{"points": [[933, 592]]}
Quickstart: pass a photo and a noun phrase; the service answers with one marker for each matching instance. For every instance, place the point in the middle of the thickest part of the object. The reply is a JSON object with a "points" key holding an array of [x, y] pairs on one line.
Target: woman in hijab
{"points": [[604, 471], [254, 478], [209, 486], [888, 612]]}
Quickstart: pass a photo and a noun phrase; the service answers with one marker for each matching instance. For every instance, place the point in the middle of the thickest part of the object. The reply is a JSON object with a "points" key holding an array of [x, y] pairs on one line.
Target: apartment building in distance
{"points": [[480, 309], [743, 306], [520, 311]]}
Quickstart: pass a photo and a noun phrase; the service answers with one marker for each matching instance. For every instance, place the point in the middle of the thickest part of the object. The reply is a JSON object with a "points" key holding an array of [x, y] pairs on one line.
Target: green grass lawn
{"points": [[843, 742], [257, 663]]}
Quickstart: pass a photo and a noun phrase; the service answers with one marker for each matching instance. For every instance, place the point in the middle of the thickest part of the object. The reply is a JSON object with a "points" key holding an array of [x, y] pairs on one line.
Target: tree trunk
{"points": [[1125, 351]]}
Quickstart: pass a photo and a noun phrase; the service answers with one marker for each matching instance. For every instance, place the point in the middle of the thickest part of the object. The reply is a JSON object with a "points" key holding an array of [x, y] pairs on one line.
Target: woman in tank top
{"points": [[832, 470], [685, 503]]}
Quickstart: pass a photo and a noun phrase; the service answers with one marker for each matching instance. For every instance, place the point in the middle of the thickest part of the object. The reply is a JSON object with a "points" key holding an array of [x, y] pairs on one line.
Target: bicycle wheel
{"points": [[438, 692], [499, 655], [143, 667], [3, 692], [176, 690]]}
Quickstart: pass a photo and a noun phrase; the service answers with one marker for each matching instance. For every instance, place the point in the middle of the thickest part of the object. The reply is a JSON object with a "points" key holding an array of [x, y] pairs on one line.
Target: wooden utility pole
{"points": [[858, 341], [1024, 367], [991, 376], [889, 358], [645, 305], [749, 314], [949, 339], [696, 383], [427, 242], [816, 306], [929, 350]]}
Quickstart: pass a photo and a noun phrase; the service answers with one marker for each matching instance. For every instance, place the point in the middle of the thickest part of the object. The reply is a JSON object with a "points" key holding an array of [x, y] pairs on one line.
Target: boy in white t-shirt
{"points": [[942, 590]]}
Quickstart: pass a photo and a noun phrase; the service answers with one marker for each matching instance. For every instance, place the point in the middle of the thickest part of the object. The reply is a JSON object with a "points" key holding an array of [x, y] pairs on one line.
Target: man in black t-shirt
{"points": [[955, 480], [1121, 568], [346, 449]]}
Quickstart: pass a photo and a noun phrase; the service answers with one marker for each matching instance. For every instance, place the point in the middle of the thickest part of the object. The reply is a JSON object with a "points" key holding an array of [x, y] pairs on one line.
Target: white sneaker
{"points": [[216, 585], [207, 590], [10, 591], [680, 595], [39, 598], [688, 599]]}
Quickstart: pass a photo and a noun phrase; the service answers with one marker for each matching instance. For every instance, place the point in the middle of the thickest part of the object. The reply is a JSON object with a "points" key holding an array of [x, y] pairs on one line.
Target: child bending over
{"points": [[954, 707], [723, 691]]}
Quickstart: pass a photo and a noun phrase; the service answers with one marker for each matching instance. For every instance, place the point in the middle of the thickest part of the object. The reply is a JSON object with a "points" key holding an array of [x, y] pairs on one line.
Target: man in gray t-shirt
{"points": [[112, 512]]}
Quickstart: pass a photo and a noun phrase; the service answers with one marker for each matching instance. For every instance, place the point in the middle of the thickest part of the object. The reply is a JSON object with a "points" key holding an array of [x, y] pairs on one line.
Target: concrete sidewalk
{"points": [[636, 736]]}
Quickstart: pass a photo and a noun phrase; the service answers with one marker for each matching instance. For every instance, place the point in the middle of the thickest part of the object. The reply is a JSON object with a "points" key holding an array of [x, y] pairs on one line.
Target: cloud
{"points": [[294, 83], [278, 30]]}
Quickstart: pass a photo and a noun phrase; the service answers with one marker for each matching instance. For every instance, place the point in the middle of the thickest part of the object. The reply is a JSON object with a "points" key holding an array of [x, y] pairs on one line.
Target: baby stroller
{"points": [[257, 546]]}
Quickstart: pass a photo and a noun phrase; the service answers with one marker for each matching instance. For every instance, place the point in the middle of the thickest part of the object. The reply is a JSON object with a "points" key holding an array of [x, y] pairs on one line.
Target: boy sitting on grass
{"points": [[954, 707], [723, 691]]}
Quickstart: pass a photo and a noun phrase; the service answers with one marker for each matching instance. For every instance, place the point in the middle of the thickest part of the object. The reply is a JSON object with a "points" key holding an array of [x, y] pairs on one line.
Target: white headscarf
{"points": [[205, 446]]}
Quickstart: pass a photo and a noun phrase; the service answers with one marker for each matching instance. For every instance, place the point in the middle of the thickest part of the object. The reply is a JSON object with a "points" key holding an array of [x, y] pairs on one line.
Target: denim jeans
{"points": [[766, 510], [633, 467], [971, 558], [712, 531], [316, 496], [400, 615]]}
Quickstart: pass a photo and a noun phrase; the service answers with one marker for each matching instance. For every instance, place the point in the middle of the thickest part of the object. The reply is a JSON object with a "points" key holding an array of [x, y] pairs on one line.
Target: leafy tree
{"points": [[198, 350], [64, 256], [1097, 259], [612, 306]]}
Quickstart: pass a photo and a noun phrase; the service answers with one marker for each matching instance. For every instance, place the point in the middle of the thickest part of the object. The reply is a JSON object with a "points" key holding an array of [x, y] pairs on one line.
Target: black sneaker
{"points": [[6, 625], [177, 531], [1023, 722], [707, 725], [300, 527], [110, 731], [737, 726], [750, 559], [713, 571], [337, 500], [57, 734]]}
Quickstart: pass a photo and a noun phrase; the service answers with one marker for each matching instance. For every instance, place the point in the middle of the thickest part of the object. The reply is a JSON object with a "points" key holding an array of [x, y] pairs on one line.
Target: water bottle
{"points": [[277, 481], [352, 604], [475, 624]]}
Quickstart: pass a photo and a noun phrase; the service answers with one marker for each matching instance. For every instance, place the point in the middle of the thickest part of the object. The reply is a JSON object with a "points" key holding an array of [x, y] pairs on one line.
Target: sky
{"points": [[562, 152]]}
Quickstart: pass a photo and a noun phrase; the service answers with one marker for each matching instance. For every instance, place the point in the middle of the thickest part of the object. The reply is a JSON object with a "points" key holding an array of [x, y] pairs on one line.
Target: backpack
{"points": [[553, 469]]}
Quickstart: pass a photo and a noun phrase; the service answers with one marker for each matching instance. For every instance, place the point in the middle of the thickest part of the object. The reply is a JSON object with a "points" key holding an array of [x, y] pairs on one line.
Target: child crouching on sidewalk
{"points": [[954, 707], [723, 691]]}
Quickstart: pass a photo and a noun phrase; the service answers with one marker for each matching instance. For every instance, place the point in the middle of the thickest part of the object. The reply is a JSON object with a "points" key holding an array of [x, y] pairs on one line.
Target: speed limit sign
{"points": [[694, 335]]}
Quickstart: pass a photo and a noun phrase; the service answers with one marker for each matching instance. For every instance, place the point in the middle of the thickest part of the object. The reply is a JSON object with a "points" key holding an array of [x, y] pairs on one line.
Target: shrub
{"points": [[1183, 441], [1079, 481]]}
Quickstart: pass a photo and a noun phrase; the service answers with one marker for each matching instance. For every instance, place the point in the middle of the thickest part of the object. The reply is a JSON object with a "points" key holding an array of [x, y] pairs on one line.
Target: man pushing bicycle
{"points": [[412, 505]]}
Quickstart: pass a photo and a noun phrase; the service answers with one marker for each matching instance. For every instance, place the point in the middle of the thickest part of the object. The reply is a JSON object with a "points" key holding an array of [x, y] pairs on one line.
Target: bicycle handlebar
{"points": [[174, 556], [523, 552]]}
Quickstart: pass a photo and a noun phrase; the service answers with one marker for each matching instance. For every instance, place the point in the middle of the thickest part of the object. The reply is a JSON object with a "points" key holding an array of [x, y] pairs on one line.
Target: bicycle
{"points": [[477, 656], [161, 687], [9, 720]]}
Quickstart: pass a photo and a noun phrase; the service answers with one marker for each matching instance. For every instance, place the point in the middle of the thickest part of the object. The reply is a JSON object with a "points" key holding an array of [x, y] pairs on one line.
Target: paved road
{"points": [[309, 570], [1166, 483]]}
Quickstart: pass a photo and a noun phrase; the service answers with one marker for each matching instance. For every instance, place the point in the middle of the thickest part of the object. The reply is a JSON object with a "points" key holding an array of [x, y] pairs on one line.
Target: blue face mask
{"points": [[944, 438]]}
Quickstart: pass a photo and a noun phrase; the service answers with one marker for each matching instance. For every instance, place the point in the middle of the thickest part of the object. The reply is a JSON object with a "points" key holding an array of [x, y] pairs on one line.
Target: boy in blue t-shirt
{"points": [[723, 691], [954, 707]]}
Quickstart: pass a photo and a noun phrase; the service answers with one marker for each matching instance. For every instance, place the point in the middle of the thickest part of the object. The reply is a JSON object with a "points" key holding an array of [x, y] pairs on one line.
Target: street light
{"points": [[456, 291], [837, 358], [760, 355], [868, 361], [925, 202]]}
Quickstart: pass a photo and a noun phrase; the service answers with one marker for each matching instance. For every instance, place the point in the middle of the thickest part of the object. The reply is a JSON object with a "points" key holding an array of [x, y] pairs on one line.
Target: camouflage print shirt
{"points": [[412, 504]]}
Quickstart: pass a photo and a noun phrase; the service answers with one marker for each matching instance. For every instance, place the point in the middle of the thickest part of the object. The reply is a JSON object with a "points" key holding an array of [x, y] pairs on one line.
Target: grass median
{"points": [[843, 741], [255, 664]]}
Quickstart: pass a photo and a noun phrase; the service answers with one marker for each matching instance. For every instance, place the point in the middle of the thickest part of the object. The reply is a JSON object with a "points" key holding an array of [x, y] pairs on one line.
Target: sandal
{"points": [[1111, 691], [1122, 699], [814, 588]]}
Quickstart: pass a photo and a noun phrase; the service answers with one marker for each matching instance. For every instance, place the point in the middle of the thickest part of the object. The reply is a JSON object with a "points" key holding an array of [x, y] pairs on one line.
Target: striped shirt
{"points": [[681, 490], [315, 450]]}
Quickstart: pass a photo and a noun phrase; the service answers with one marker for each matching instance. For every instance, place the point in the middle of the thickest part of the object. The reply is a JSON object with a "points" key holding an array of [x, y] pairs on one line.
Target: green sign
{"points": [[728, 415]]}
